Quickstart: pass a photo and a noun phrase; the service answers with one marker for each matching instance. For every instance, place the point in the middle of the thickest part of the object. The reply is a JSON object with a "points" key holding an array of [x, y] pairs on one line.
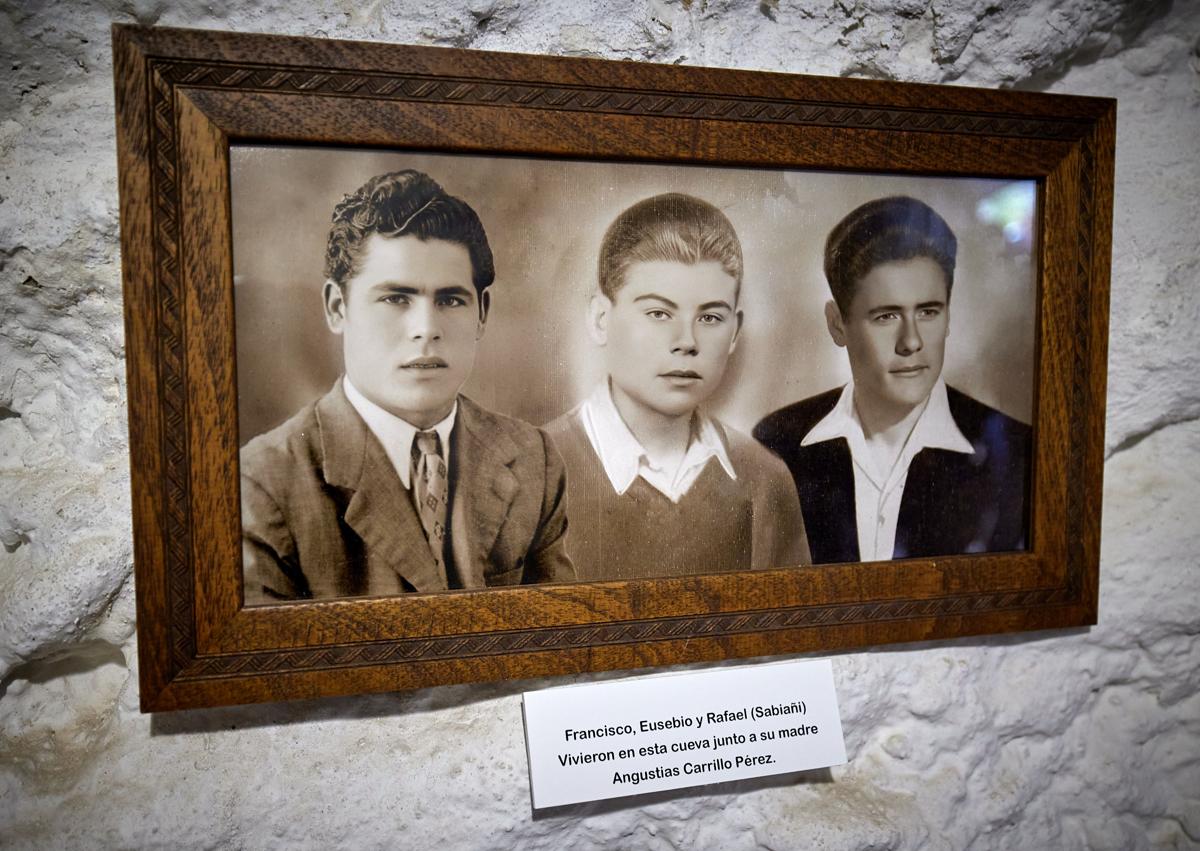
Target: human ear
{"points": [[833, 321], [485, 304], [737, 331], [597, 320], [335, 306]]}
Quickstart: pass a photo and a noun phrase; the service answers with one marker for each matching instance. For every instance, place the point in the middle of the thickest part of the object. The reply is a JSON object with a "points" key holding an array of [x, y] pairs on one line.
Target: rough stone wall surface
{"points": [[1080, 739]]}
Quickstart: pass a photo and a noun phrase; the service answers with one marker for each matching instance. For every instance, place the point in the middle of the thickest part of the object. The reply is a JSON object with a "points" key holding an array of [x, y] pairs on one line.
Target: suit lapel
{"points": [[484, 489], [827, 497], [914, 509], [939, 509], [940, 484], [380, 510]]}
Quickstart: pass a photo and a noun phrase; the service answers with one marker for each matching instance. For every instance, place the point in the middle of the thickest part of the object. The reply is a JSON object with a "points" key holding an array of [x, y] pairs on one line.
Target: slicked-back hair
{"points": [[883, 231], [404, 203], [671, 227]]}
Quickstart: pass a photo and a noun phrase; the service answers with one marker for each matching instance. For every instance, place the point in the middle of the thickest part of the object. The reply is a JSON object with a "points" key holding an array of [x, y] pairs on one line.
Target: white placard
{"points": [[607, 740]]}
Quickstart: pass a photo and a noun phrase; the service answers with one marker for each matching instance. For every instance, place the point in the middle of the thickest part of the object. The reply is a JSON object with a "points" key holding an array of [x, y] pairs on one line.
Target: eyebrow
{"points": [[454, 289], [410, 289], [708, 305], [894, 308], [655, 297]]}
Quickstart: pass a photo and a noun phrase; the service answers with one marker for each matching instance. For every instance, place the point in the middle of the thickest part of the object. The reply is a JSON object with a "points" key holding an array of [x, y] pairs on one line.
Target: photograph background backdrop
{"points": [[545, 220]]}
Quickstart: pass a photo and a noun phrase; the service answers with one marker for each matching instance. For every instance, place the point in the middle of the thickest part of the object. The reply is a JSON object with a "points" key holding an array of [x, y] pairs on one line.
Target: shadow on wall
{"points": [[419, 701], [74, 659]]}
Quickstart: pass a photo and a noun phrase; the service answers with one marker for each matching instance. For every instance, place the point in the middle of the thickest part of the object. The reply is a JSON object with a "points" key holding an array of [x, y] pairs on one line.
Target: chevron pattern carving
{"points": [[172, 376], [1076, 460], [571, 638], [610, 100]]}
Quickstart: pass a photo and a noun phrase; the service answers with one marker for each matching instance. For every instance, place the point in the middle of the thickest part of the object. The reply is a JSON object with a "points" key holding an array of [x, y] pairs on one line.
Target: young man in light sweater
{"points": [[656, 487]]}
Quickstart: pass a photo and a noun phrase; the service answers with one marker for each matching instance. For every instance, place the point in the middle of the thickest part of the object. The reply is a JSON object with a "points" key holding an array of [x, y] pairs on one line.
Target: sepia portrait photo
{"points": [[466, 372]]}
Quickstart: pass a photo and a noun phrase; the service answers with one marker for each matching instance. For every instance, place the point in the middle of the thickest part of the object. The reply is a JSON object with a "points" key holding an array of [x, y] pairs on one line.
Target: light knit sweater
{"points": [[719, 525]]}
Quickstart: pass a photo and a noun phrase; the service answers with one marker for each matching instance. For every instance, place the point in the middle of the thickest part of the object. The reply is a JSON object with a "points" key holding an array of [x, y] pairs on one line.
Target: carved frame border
{"points": [[149, 82]]}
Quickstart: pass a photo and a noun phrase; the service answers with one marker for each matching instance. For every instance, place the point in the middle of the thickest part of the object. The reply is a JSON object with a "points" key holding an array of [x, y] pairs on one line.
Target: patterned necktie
{"points": [[429, 488]]}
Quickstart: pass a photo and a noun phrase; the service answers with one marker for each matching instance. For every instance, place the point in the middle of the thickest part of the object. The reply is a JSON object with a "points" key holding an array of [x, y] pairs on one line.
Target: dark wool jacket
{"points": [[953, 502]]}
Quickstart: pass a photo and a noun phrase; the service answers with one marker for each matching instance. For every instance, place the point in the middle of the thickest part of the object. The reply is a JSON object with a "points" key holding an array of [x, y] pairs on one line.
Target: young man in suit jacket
{"points": [[393, 481], [897, 464]]}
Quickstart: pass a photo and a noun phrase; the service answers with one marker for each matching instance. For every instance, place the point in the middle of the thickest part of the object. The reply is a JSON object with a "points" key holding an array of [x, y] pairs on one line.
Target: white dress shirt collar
{"points": [[624, 458], [395, 434], [934, 429]]}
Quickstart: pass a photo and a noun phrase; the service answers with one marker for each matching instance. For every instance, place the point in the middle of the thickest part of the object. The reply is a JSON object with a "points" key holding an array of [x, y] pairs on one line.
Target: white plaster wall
{"points": [[1081, 739]]}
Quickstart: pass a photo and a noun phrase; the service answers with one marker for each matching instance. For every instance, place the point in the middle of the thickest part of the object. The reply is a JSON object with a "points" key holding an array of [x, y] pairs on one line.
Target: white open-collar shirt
{"points": [[878, 493], [395, 434], [624, 458]]}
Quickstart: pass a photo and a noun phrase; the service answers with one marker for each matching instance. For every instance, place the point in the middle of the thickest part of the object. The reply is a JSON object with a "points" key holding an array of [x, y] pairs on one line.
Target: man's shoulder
{"points": [[296, 438], [565, 421], [981, 422], [502, 433], [752, 460], [296, 448], [789, 424], [566, 425]]}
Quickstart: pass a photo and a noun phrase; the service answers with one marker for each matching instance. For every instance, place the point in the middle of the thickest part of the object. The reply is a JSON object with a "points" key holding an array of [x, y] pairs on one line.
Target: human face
{"points": [[667, 336], [895, 334], [410, 322]]}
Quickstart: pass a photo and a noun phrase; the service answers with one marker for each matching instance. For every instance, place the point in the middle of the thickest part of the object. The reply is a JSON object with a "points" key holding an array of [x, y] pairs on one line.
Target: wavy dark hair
{"points": [[674, 227], [404, 203], [883, 231]]}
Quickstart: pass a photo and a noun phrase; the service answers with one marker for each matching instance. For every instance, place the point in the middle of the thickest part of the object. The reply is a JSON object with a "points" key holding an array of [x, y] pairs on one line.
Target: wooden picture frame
{"points": [[184, 97]]}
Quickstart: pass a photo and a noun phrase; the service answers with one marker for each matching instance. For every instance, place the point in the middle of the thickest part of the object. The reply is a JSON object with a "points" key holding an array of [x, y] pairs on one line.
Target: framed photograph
{"points": [[450, 366]]}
